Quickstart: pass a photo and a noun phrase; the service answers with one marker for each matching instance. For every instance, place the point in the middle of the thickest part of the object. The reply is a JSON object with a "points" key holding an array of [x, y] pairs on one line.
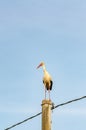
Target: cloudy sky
{"points": [[42, 30]]}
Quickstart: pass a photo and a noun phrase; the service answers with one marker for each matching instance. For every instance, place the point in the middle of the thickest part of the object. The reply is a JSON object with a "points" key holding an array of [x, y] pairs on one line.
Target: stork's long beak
{"points": [[39, 65]]}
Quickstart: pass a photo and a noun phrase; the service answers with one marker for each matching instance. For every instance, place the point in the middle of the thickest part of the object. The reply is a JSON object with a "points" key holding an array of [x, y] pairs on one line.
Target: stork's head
{"points": [[41, 64]]}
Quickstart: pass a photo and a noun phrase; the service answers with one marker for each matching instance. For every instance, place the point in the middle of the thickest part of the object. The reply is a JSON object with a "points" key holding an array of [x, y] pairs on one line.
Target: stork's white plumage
{"points": [[47, 80]]}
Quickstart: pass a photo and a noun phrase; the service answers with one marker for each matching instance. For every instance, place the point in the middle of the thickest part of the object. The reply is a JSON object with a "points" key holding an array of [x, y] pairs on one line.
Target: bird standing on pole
{"points": [[47, 80]]}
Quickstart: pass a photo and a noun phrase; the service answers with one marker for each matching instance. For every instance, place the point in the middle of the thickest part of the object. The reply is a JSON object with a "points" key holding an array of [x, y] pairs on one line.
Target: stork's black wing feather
{"points": [[43, 81], [51, 84]]}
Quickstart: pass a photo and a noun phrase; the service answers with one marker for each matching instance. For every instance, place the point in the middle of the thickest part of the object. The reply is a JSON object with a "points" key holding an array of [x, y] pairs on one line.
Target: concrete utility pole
{"points": [[46, 114]]}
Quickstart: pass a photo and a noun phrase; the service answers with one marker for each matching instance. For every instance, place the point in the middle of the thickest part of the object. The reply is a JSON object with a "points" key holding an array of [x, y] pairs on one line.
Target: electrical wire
{"points": [[74, 100], [23, 121], [53, 107]]}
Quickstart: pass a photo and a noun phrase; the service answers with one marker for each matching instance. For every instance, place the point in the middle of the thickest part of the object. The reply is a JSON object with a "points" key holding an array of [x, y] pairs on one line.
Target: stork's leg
{"points": [[45, 93], [49, 93]]}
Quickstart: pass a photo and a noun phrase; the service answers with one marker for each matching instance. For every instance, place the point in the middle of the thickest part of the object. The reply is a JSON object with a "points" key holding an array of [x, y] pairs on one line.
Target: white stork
{"points": [[47, 80]]}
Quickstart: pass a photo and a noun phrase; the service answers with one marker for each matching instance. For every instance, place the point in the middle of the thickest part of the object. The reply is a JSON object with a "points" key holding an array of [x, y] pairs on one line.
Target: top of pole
{"points": [[49, 102]]}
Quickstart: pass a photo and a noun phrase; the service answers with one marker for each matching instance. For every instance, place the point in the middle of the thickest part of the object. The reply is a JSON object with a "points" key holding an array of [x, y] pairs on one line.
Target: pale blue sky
{"points": [[51, 31]]}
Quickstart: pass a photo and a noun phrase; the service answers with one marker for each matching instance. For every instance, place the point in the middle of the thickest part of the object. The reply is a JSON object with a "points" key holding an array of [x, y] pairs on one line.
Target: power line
{"points": [[74, 100], [23, 121], [53, 107]]}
